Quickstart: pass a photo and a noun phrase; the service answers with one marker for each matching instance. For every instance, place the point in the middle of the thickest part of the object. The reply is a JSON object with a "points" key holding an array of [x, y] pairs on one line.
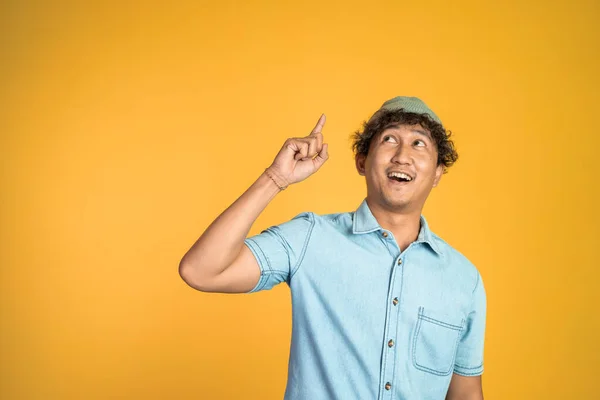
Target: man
{"points": [[382, 307]]}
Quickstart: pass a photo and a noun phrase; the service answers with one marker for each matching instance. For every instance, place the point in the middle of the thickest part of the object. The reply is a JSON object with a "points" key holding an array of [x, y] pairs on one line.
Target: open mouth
{"points": [[400, 177]]}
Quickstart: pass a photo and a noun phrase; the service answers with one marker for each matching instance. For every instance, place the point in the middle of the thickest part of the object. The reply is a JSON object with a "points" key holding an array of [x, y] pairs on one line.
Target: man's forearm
{"points": [[472, 396], [465, 388], [222, 241]]}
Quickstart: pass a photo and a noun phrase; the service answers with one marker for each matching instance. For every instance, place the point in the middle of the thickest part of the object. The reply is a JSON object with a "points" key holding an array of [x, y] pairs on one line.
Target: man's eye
{"points": [[385, 138], [422, 143]]}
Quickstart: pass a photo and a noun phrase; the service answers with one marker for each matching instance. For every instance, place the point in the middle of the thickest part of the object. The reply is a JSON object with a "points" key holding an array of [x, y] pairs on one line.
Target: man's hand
{"points": [[296, 160]]}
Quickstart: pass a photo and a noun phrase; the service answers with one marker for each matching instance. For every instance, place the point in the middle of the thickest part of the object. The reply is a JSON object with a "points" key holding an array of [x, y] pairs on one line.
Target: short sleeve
{"points": [[279, 250], [469, 357]]}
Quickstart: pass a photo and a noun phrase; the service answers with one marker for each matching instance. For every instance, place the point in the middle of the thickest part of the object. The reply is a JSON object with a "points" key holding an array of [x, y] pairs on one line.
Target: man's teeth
{"points": [[400, 175]]}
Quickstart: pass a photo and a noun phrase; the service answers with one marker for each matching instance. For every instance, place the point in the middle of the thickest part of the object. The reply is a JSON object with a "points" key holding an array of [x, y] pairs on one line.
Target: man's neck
{"points": [[405, 226]]}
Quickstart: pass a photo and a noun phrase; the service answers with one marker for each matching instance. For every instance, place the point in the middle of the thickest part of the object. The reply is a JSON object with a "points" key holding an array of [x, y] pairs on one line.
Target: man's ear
{"points": [[439, 171], [360, 163]]}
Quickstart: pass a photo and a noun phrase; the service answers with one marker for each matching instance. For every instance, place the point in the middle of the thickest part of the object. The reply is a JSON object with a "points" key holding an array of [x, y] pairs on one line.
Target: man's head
{"points": [[404, 136]]}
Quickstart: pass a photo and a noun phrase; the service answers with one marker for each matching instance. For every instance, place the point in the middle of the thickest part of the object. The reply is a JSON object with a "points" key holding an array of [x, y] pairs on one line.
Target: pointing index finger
{"points": [[317, 129]]}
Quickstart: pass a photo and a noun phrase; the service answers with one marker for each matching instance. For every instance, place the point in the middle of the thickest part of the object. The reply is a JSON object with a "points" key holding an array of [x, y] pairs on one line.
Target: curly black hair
{"points": [[447, 155]]}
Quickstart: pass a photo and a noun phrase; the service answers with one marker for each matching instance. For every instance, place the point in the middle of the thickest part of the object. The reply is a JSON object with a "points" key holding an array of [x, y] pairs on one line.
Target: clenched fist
{"points": [[296, 160]]}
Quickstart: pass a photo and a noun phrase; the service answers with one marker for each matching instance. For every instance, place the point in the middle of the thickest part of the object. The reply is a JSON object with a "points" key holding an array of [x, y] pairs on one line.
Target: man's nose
{"points": [[402, 155]]}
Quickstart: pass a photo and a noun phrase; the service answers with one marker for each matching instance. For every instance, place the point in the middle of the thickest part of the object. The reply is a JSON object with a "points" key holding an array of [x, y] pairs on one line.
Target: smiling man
{"points": [[382, 308]]}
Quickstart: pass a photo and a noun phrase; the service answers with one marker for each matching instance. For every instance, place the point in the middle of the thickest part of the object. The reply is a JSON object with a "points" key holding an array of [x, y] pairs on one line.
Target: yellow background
{"points": [[127, 128]]}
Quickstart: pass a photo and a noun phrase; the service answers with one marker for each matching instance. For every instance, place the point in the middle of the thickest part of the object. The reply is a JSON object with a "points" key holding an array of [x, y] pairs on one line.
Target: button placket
{"points": [[391, 330]]}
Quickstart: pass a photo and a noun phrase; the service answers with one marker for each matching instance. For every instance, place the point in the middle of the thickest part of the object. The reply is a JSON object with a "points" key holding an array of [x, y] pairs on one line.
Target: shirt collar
{"points": [[364, 222]]}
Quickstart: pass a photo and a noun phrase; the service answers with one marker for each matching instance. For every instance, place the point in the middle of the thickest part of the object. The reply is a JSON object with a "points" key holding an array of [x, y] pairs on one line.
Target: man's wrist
{"points": [[281, 183]]}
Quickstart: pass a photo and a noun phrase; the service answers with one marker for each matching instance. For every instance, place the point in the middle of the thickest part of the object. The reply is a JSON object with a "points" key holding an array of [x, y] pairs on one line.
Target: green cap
{"points": [[409, 104]]}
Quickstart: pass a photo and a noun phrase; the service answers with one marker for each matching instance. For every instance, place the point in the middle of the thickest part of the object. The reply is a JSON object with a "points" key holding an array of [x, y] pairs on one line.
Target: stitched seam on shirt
{"points": [[414, 357], [468, 373], [262, 283], [440, 323], [463, 367], [398, 312], [263, 275], [476, 284], [269, 273], [258, 249], [304, 247], [473, 294], [424, 368], [385, 351], [265, 278]]}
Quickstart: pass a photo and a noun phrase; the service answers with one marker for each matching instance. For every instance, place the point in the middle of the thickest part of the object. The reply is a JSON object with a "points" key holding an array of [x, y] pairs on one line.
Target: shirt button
{"points": [[385, 234], [399, 261], [390, 343], [395, 301], [388, 386]]}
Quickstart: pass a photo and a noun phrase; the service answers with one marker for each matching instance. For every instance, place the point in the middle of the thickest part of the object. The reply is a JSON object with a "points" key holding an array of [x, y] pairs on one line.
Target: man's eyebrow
{"points": [[422, 132]]}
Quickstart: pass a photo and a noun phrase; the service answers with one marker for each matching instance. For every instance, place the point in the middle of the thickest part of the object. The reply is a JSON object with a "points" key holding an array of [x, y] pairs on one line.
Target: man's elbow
{"points": [[189, 274]]}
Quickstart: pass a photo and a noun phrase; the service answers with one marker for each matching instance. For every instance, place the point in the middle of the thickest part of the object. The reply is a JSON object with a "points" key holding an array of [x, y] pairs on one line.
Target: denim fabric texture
{"points": [[369, 321]]}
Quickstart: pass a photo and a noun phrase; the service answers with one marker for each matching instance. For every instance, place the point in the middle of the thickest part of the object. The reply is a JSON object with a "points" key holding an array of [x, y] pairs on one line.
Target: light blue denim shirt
{"points": [[369, 321]]}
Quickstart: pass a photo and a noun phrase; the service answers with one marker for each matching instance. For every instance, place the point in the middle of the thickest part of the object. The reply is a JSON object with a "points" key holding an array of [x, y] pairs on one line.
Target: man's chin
{"points": [[393, 199], [397, 202]]}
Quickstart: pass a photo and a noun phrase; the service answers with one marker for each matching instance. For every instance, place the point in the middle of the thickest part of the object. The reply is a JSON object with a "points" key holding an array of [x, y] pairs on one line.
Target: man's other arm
{"points": [[465, 388]]}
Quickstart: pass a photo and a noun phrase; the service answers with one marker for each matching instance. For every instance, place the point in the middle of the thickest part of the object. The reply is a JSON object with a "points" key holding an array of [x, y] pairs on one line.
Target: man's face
{"points": [[409, 149]]}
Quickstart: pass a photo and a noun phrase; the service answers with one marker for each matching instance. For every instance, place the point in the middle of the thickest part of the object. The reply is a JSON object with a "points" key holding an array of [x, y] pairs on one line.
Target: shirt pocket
{"points": [[436, 340]]}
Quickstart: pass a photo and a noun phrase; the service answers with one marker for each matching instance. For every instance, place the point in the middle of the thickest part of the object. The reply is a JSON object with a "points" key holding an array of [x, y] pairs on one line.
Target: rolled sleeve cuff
{"points": [[263, 263], [468, 371]]}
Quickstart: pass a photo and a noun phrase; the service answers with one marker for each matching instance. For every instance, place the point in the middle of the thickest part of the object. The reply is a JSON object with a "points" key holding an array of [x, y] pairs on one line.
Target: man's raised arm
{"points": [[219, 261]]}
